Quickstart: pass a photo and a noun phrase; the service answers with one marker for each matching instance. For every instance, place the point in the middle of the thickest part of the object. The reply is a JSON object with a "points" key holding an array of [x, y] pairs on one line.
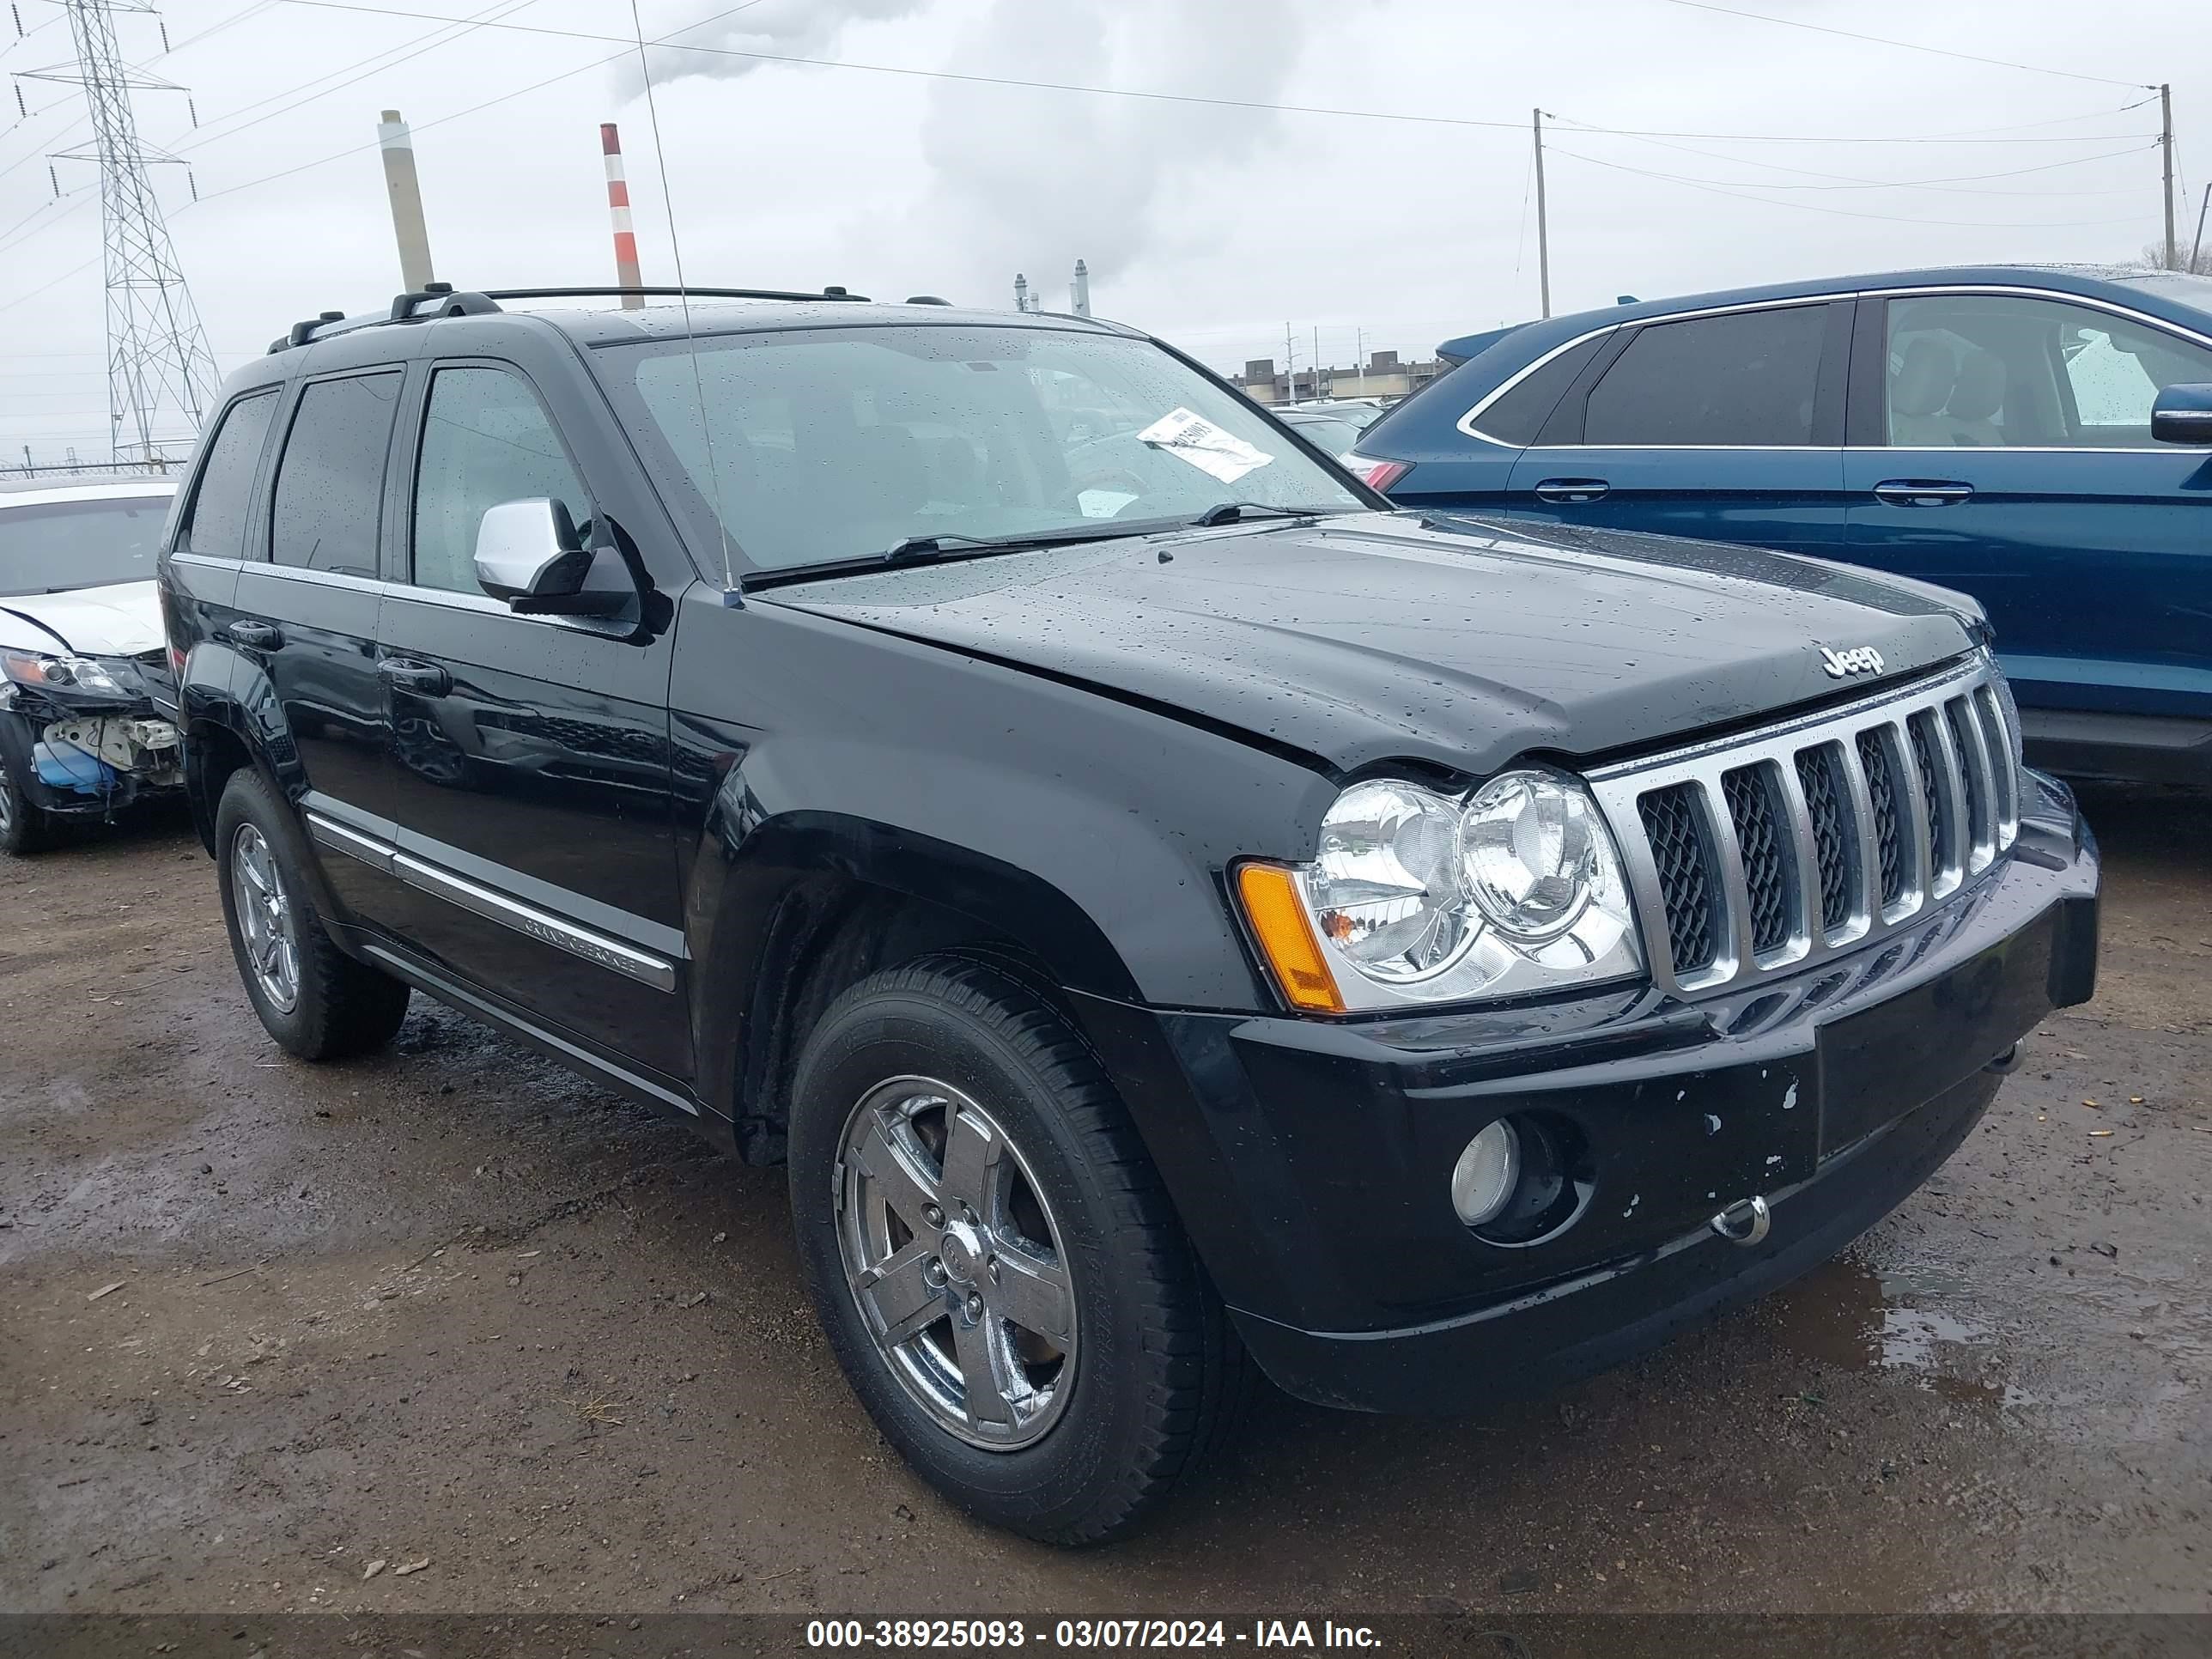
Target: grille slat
{"points": [[1834, 835], [1765, 852], [1757, 822], [1889, 828], [1672, 824]]}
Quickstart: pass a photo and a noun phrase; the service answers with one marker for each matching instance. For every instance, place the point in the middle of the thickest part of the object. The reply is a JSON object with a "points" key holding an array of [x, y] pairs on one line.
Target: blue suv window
{"points": [[1747, 377], [1517, 415], [1998, 370]]}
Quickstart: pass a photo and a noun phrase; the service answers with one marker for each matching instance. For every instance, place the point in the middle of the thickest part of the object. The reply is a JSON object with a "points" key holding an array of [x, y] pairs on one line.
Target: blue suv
{"points": [[2023, 435]]}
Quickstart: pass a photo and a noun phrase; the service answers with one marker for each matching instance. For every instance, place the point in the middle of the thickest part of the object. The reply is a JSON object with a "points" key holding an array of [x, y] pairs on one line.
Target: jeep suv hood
{"points": [[121, 620], [1365, 637]]}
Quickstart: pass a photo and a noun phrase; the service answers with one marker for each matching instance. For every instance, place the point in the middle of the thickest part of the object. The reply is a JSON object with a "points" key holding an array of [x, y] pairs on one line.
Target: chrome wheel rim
{"points": [[264, 919], [7, 800], [956, 1263]]}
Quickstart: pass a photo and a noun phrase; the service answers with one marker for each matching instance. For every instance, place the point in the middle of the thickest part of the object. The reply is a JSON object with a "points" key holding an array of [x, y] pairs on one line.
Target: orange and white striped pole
{"points": [[626, 271]]}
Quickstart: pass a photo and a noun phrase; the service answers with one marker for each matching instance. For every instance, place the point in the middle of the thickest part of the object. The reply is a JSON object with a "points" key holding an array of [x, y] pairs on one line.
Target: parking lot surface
{"points": [[268, 1323]]}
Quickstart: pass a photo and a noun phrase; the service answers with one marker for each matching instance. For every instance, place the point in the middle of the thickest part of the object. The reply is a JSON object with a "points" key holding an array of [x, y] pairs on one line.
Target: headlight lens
{"points": [[1531, 847], [1419, 896], [61, 673], [1384, 891]]}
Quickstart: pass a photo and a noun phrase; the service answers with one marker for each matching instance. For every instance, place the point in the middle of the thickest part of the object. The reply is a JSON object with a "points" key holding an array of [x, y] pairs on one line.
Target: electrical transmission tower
{"points": [[160, 375]]}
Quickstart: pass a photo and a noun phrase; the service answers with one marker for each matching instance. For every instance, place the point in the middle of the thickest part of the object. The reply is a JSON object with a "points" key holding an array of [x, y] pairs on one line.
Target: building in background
{"points": [[1383, 375]]}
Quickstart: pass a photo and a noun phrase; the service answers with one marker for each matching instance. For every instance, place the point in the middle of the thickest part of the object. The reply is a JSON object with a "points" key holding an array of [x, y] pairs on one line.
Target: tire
{"points": [[317, 1002], [25, 826], [1112, 1385]]}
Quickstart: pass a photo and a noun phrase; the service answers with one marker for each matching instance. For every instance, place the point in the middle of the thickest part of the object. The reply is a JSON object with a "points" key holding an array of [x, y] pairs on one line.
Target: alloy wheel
{"points": [[956, 1262], [265, 919]]}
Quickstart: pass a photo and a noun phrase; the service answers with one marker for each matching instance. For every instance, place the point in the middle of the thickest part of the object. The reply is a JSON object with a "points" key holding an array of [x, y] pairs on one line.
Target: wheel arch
{"points": [[809, 903]]}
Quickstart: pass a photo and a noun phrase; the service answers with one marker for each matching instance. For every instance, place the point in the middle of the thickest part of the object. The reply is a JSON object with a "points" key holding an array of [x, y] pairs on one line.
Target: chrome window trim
{"points": [[1466, 423], [1933, 876]]}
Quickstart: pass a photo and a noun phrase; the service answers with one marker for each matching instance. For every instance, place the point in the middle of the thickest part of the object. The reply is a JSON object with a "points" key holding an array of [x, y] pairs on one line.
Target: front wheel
{"points": [[25, 826], [1000, 1271]]}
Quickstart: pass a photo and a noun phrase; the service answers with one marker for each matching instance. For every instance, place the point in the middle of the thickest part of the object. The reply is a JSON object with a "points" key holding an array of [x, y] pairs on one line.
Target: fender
{"points": [[761, 898]]}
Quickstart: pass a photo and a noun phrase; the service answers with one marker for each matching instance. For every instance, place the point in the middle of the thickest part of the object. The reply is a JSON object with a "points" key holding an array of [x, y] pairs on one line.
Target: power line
{"points": [[1901, 46], [1149, 96], [1744, 195]]}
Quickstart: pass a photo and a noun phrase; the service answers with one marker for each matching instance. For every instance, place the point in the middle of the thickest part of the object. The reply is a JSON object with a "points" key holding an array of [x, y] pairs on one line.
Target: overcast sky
{"points": [[1212, 226]]}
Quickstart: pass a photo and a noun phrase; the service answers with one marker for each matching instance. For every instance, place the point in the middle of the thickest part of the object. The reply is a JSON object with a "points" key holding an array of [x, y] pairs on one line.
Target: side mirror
{"points": [[2182, 414], [529, 554]]}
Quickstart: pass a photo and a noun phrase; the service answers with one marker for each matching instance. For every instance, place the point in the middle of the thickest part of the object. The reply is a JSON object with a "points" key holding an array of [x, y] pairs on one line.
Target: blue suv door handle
{"points": [[1568, 490], [1921, 492]]}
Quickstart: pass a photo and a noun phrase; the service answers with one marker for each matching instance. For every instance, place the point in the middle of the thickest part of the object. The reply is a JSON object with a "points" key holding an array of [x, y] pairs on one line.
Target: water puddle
{"points": [[1847, 1314]]}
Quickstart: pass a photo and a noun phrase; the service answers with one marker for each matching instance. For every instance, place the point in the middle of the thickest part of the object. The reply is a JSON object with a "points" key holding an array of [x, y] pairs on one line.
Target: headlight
{"points": [[60, 673], [1417, 896]]}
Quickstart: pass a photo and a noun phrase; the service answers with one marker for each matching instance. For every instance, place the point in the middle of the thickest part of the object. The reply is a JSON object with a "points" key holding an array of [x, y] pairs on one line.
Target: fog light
{"points": [[1486, 1174]]}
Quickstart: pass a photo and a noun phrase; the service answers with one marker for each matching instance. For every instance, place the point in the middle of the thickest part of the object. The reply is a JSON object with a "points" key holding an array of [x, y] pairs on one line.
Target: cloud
{"points": [[776, 28], [1033, 181]]}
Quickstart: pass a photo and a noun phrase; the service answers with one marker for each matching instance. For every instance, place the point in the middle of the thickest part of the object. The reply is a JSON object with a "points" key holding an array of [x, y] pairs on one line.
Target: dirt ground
{"points": [[263, 1324]]}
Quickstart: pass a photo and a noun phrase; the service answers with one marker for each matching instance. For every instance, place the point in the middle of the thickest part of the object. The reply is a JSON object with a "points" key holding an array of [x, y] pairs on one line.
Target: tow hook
{"points": [[1745, 1221], [2007, 1062]]}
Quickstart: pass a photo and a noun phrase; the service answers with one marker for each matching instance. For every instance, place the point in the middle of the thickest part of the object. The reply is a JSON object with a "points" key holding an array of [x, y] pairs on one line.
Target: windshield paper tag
{"points": [[1193, 438]]}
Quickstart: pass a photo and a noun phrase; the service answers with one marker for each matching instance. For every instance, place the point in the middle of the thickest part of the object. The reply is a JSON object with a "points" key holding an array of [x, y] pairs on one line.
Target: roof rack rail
{"points": [[595, 291], [446, 301]]}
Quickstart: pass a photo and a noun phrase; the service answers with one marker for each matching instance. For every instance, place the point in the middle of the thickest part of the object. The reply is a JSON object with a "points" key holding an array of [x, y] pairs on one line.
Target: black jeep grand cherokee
{"points": [[1171, 911]]}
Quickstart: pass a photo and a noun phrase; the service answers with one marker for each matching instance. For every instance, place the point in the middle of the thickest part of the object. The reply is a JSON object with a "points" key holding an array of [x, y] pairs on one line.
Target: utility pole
{"points": [[1543, 223], [160, 370], [1290, 366], [2196, 249], [1316, 360], [406, 190], [2165, 144]]}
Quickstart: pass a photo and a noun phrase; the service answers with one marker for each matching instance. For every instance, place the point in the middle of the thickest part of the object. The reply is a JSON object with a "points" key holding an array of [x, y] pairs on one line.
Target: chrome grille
{"points": [[1749, 856]]}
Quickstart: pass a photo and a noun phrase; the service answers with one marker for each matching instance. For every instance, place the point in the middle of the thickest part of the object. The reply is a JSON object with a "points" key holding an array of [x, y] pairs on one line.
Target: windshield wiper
{"points": [[1229, 512], [944, 545]]}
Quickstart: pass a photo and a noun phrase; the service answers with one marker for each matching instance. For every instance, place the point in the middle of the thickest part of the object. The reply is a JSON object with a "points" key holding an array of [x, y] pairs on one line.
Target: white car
{"points": [[87, 698]]}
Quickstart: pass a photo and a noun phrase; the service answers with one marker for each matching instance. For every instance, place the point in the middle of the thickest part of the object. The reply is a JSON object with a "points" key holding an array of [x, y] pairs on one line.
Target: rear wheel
{"points": [[317, 1001], [1000, 1271]]}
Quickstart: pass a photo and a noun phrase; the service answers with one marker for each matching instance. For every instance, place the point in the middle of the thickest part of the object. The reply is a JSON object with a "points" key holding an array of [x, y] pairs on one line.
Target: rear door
{"points": [[1727, 426], [307, 605], [2001, 445], [525, 760]]}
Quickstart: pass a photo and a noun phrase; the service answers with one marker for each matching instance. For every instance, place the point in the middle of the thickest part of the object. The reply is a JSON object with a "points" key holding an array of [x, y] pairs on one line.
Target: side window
{"points": [[1975, 371], [1744, 378], [330, 481], [214, 523], [1519, 415], [486, 439]]}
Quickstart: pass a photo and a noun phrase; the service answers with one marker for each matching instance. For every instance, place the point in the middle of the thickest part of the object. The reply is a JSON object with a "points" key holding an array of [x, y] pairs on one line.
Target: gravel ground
{"points": [[267, 1324]]}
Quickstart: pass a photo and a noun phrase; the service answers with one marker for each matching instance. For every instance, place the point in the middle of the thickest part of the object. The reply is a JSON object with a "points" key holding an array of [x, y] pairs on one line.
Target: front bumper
{"points": [[1310, 1160], [77, 778]]}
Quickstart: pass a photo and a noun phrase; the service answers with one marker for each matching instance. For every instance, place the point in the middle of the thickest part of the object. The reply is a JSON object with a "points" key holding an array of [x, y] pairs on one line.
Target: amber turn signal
{"points": [[1277, 915]]}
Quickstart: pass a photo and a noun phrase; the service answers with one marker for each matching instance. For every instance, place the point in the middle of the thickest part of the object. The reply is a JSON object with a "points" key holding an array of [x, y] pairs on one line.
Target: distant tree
{"points": [[2154, 258]]}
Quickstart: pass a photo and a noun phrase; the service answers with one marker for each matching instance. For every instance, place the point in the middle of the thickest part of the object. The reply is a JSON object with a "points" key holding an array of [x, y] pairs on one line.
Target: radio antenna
{"points": [[684, 296]]}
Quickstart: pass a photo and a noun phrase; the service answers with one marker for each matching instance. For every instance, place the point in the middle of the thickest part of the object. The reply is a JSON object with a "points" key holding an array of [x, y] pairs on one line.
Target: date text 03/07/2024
{"points": [[1299, 1634]]}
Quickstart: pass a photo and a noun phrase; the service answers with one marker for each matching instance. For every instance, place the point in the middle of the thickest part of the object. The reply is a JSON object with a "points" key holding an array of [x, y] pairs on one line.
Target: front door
{"points": [[306, 607], [1726, 427], [2001, 446], [525, 763]]}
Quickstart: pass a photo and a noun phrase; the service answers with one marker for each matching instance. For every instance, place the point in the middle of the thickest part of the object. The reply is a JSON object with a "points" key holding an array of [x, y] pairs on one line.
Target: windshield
{"points": [[58, 545], [834, 444], [1330, 432]]}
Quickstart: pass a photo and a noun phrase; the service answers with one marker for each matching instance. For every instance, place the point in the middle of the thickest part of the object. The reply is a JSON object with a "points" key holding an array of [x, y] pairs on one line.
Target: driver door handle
{"points": [[1568, 491], [1921, 492], [425, 679], [256, 636]]}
